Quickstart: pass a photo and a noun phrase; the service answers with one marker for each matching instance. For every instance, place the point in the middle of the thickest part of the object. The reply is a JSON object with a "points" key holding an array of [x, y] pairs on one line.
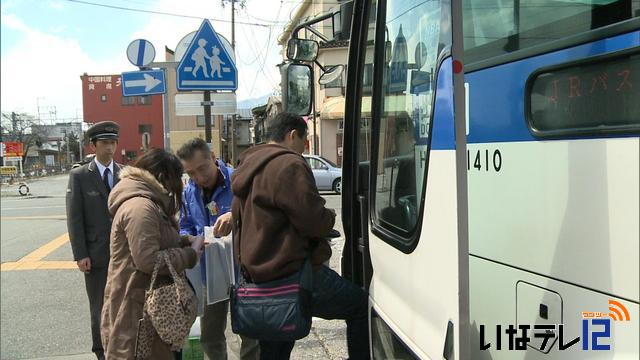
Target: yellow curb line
{"points": [[39, 265], [48, 217], [33, 260], [8, 266], [46, 249]]}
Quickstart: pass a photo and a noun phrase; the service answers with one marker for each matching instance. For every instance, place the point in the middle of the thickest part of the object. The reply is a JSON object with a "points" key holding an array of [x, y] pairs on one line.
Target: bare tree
{"points": [[72, 145], [22, 127]]}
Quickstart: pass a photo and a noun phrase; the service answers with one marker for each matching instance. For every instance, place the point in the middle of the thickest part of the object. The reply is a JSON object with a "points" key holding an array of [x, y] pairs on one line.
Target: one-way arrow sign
{"points": [[148, 82]]}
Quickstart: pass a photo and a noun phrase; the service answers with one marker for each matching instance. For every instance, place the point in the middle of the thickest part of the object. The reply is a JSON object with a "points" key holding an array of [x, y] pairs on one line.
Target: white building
{"points": [[326, 122]]}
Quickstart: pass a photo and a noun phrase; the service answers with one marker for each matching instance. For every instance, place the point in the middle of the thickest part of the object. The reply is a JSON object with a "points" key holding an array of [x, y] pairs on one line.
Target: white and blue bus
{"points": [[491, 176]]}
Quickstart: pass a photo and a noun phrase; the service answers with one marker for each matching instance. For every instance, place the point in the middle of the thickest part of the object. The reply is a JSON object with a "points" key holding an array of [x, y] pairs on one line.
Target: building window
{"points": [[146, 140], [200, 121], [103, 98], [144, 128], [144, 100], [128, 100], [367, 79]]}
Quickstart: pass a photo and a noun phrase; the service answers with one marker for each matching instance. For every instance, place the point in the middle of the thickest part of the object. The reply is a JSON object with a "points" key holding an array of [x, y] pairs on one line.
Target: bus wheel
{"points": [[23, 190]]}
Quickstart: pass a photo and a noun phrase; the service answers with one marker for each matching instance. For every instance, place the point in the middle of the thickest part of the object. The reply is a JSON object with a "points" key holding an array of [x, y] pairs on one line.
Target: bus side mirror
{"points": [[297, 88], [331, 74], [302, 49]]}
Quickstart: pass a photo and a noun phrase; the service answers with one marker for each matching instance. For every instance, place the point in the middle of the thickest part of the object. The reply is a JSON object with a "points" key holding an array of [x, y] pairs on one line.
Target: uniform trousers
{"points": [[95, 282]]}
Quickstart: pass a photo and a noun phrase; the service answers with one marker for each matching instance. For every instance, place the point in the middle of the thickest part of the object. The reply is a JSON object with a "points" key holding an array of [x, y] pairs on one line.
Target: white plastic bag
{"points": [[195, 278], [219, 266]]}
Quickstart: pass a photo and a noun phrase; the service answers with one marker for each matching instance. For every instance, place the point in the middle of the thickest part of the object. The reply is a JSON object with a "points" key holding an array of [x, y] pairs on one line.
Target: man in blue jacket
{"points": [[207, 202]]}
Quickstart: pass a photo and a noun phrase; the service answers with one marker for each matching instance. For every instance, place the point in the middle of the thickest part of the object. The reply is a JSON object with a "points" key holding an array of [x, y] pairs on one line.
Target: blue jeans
{"points": [[334, 297]]}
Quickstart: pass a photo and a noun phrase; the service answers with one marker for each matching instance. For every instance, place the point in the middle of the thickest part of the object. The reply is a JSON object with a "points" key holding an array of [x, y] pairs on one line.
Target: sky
{"points": [[46, 45]]}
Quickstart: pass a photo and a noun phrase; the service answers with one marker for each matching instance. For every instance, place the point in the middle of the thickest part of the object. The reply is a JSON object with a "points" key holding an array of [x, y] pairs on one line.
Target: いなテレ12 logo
{"points": [[599, 325]]}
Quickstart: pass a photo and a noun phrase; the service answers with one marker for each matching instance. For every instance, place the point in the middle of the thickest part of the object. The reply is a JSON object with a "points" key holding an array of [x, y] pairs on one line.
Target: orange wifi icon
{"points": [[618, 312]]}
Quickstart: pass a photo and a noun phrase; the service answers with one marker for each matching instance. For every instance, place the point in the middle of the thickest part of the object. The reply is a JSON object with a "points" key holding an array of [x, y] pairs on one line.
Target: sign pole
{"points": [[207, 117], [165, 121]]}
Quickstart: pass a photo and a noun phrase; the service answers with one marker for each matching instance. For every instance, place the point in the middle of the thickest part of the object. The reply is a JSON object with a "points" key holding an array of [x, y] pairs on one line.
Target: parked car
{"points": [[328, 175], [87, 159]]}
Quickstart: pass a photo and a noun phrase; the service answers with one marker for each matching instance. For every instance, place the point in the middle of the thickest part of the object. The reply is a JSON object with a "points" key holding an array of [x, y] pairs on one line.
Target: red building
{"points": [[139, 117]]}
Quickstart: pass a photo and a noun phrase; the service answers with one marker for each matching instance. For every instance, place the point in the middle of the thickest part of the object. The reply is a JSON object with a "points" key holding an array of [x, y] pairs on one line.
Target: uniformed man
{"points": [[88, 219]]}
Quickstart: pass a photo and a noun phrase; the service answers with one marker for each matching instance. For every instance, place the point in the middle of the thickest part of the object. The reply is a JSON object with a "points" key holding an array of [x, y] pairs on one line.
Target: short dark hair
{"points": [[188, 149], [282, 124], [167, 169]]}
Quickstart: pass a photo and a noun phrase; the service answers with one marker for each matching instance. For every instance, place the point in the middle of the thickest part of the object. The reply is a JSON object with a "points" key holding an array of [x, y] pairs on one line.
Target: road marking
{"points": [[39, 265], [33, 260], [46, 249], [47, 217], [35, 207]]}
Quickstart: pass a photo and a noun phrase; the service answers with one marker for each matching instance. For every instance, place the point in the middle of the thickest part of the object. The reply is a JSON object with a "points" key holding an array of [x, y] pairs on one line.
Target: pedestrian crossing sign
{"points": [[206, 65]]}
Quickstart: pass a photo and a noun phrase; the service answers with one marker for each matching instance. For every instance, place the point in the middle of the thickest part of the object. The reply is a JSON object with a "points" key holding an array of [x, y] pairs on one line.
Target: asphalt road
{"points": [[43, 305]]}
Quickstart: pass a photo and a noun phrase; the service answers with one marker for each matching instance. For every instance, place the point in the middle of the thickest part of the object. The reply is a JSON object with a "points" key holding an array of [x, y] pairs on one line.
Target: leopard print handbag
{"points": [[144, 338], [171, 309]]}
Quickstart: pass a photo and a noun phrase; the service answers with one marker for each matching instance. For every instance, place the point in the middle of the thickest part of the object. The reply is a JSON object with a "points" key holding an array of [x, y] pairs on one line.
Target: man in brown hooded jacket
{"points": [[283, 222]]}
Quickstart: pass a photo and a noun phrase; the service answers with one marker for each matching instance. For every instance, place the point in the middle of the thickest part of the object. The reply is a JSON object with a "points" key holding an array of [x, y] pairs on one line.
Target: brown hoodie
{"points": [[279, 214]]}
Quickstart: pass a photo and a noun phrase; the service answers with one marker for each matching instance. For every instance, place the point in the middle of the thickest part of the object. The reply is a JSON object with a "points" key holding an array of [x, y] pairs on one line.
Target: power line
{"points": [[261, 69], [165, 13], [257, 57], [265, 56], [273, 22], [317, 2], [267, 46]]}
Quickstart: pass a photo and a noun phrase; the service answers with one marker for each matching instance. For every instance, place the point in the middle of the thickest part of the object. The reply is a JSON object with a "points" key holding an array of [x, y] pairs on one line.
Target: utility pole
{"points": [[66, 142], [38, 105], [232, 147], [233, 117]]}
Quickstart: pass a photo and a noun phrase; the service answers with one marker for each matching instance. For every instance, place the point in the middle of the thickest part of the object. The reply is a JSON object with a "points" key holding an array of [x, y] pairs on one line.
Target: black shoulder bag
{"points": [[278, 310]]}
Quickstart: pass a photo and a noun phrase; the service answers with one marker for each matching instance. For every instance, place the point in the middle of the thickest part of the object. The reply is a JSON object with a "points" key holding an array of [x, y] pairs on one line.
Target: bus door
{"points": [[404, 214]]}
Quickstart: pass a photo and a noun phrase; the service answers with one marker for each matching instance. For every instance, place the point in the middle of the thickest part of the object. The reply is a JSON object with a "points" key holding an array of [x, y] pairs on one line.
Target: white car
{"points": [[328, 175], [87, 159]]}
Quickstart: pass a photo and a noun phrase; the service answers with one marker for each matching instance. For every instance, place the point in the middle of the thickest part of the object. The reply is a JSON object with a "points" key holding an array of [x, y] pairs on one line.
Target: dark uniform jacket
{"points": [[88, 219]]}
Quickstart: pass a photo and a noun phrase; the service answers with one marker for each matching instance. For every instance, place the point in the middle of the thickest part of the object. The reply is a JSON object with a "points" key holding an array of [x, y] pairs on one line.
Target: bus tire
{"points": [[23, 190]]}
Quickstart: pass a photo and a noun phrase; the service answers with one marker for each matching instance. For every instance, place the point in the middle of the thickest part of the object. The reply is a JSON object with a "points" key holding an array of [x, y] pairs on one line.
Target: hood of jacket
{"points": [[251, 162], [136, 182]]}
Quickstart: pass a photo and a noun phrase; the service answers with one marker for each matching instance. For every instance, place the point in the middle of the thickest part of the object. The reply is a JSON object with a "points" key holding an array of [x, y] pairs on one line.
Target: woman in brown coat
{"points": [[143, 206]]}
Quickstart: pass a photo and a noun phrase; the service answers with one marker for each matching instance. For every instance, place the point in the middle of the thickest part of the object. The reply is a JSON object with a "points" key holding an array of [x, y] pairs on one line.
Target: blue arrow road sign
{"points": [[206, 65], [148, 82], [141, 52]]}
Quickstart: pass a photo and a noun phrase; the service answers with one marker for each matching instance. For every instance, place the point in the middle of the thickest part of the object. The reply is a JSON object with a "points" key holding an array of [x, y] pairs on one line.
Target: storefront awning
{"points": [[332, 108]]}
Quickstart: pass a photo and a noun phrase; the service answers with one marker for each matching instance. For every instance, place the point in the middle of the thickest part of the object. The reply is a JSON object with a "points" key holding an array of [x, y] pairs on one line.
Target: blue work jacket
{"points": [[195, 216]]}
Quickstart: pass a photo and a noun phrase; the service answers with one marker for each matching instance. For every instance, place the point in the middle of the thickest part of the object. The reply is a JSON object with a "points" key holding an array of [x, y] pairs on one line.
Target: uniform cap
{"points": [[104, 130]]}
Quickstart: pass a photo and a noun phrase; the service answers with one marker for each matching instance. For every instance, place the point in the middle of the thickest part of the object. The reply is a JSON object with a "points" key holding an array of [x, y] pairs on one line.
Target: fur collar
{"points": [[144, 175]]}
